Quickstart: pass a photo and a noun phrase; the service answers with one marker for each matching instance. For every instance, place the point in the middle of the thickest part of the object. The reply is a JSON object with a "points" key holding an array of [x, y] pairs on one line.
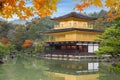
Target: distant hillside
{"points": [[1, 19], [37, 25], [18, 21], [101, 22]]}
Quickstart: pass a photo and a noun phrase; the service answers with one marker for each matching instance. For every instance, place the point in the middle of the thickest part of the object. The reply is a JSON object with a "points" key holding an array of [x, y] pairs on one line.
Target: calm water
{"points": [[30, 68], [72, 67]]}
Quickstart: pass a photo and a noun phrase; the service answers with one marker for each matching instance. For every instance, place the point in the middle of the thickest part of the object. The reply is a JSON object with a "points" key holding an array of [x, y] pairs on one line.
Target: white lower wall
{"points": [[92, 48], [95, 47]]}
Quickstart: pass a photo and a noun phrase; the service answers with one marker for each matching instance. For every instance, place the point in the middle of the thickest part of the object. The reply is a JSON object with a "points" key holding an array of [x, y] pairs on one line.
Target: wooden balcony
{"points": [[73, 55], [69, 52]]}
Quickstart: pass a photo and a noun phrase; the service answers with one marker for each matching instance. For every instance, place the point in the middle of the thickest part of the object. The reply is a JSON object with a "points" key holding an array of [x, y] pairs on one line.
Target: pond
{"points": [[72, 67], [31, 68]]}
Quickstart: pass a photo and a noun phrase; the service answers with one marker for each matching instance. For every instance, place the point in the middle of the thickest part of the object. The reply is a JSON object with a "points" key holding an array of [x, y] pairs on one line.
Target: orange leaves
{"points": [[87, 3], [109, 19], [38, 3], [21, 5], [118, 11], [81, 7], [23, 11], [110, 3], [93, 2], [113, 5], [27, 44], [111, 16], [45, 7], [97, 3], [4, 41]]}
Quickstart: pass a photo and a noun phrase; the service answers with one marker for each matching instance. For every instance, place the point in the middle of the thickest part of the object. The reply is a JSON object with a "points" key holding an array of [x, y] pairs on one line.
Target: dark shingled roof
{"points": [[75, 15], [71, 29]]}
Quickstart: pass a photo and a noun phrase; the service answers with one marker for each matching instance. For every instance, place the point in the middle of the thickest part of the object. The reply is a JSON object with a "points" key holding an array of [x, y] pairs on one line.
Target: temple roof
{"points": [[74, 15], [71, 29]]}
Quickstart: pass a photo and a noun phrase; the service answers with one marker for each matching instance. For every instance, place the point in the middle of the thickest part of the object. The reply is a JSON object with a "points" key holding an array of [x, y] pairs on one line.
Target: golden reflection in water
{"points": [[60, 76]]}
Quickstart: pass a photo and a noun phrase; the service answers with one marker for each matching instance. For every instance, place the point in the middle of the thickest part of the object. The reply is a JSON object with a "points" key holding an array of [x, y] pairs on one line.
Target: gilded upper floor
{"points": [[73, 27], [74, 20]]}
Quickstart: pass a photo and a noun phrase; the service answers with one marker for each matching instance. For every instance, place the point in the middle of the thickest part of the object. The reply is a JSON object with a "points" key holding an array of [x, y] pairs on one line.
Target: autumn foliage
{"points": [[82, 6], [27, 44], [113, 5], [21, 8], [4, 41], [45, 8]]}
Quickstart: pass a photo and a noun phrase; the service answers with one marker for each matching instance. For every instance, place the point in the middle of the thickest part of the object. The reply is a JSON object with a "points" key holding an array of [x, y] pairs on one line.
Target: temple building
{"points": [[73, 36]]}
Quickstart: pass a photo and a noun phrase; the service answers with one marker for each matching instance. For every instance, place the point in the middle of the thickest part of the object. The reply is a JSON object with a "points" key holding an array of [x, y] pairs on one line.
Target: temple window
{"points": [[68, 47], [85, 48], [61, 25], [75, 24], [63, 47], [80, 48], [84, 25], [73, 47], [70, 24], [80, 24]]}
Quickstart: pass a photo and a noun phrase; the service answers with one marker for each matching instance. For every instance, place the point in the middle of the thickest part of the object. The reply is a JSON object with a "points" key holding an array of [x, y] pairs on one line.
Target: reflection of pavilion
{"points": [[72, 67], [73, 36]]}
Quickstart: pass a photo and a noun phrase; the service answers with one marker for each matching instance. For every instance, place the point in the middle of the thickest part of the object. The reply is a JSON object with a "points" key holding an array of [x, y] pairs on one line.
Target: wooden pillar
{"points": [[51, 52]]}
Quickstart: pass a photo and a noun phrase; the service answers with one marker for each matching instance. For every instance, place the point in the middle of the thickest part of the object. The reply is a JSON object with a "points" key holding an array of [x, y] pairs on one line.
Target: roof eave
{"points": [[71, 29]]}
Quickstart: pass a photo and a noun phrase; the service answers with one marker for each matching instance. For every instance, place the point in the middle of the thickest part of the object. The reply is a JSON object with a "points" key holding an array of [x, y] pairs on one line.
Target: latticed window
{"points": [[73, 47], [83, 48], [74, 24], [63, 47], [84, 25], [68, 47], [70, 24]]}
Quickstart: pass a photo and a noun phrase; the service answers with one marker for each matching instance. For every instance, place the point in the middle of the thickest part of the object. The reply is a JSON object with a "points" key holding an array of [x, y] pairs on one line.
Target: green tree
{"points": [[39, 47], [5, 28], [108, 72], [36, 26], [110, 45], [110, 41], [4, 50], [19, 36]]}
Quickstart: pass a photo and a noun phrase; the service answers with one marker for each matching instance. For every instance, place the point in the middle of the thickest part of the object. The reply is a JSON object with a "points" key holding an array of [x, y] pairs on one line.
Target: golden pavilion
{"points": [[73, 36]]}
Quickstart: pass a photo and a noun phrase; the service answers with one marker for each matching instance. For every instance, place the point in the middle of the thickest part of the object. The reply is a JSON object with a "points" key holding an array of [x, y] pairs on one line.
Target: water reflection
{"points": [[22, 68], [31, 68], [72, 67]]}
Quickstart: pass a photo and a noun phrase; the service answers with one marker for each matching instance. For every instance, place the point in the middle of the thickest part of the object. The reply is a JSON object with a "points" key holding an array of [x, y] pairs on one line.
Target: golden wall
{"points": [[73, 36], [73, 24]]}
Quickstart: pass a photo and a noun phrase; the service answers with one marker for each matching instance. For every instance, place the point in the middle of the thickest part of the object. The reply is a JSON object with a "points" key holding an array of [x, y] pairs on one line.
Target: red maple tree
{"points": [[27, 44]]}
